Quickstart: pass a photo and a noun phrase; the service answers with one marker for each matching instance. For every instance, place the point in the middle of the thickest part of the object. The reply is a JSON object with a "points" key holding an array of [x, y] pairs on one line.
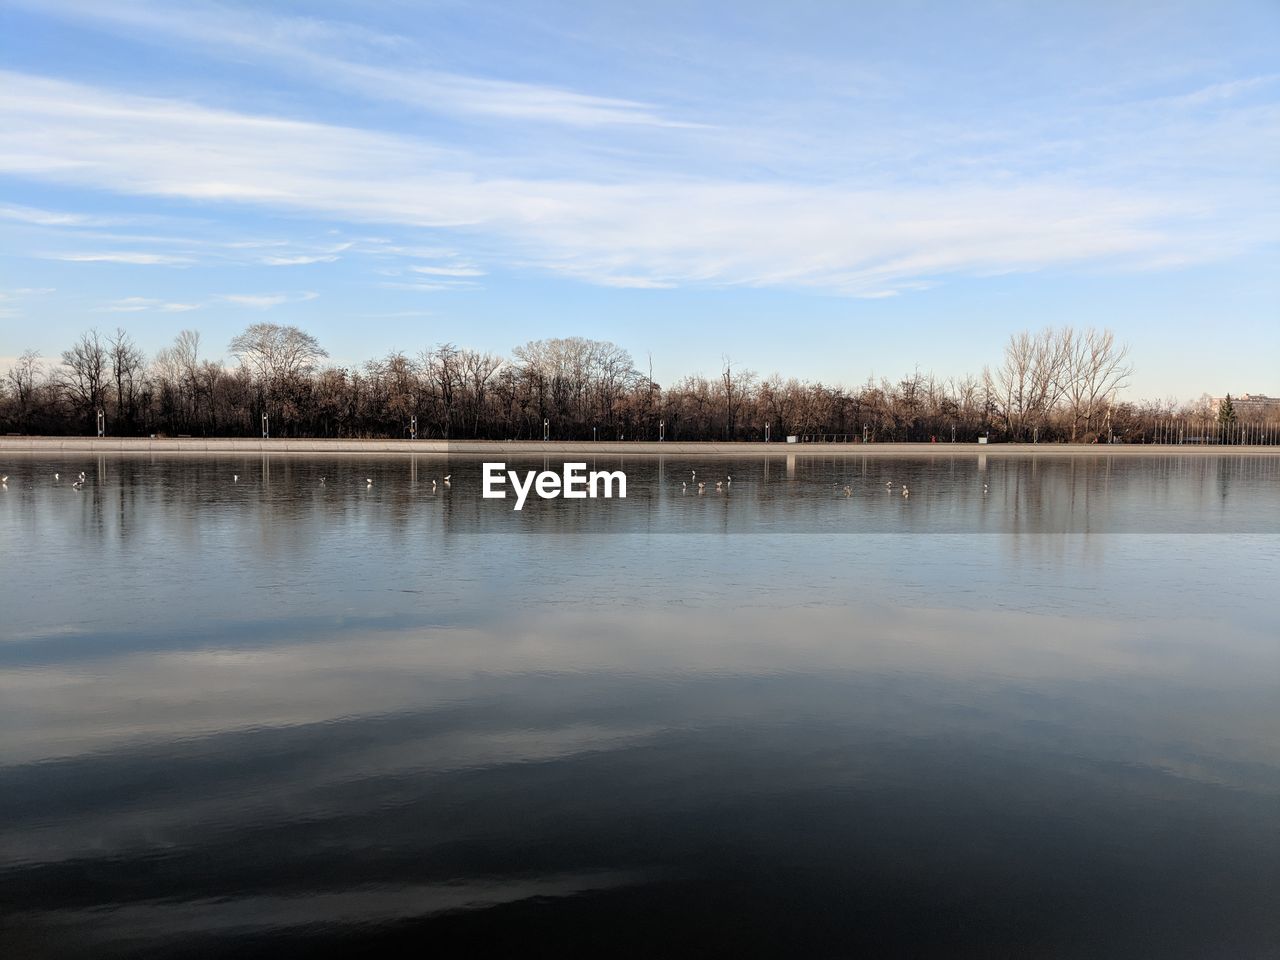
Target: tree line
{"points": [[1058, 384]]}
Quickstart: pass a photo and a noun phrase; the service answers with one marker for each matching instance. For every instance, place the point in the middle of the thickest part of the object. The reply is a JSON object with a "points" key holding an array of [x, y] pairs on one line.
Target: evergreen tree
{"points": [[1226, 411]]}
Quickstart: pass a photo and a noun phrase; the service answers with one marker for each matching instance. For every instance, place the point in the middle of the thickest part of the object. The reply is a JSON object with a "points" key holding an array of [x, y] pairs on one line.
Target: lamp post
{"points": [[546, 428], [102, 424], [266, 427]]}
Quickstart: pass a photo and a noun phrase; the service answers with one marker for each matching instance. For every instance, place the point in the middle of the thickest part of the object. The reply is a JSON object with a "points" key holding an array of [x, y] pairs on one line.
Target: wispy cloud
{"points": [[145, 304], [45, 218], [1227, 90], [436, 286], [855, 239], [122, 256], [325, 52], [297, 261], [265, 301], [11, 299], [447, 271]]}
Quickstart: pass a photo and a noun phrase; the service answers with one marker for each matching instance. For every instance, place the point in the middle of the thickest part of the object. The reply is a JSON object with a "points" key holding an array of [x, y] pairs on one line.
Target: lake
{"points": [[1031, 709]]}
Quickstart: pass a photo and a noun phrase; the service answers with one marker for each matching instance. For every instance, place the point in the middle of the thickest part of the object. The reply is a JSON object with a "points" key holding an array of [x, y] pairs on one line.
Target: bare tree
{"points": [[1028, 385], [126, 370], [85, 374], [1097, 370], [24, 377], [277, 353]]}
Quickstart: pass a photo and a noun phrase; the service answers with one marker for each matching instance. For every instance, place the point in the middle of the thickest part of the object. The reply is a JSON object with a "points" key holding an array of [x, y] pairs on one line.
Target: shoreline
{"points": [[216, 446]]}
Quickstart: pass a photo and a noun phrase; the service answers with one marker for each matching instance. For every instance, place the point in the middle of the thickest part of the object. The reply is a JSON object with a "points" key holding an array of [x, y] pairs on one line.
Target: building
{"points": [[1249, 406]]}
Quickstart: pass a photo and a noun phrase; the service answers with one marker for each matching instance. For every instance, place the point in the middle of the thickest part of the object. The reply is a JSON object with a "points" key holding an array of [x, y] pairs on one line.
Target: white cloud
{"points": [[144, 304], [9, 299], [297, 261], [262, 301], [324, 52], [448, 271], [16, 292], [1228, 90], [162, 259], [45, 218], [265, 301], [130, 305], [852, 238], [427, 286]]}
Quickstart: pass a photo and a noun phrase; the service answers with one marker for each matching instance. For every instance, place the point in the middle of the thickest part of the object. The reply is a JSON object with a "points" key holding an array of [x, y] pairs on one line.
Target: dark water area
{"points": [[1030, 710]]}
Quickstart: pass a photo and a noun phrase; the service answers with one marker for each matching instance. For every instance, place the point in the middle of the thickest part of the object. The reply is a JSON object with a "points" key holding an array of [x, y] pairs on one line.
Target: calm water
{"points": [[283, 718]]}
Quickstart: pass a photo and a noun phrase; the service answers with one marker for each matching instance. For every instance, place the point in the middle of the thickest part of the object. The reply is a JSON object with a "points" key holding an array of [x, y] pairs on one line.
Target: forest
{"points": [[1058, 384]]}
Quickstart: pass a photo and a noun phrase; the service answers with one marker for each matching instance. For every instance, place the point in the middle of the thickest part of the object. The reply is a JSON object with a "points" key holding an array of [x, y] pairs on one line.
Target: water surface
{"points": [[1031, 709]]}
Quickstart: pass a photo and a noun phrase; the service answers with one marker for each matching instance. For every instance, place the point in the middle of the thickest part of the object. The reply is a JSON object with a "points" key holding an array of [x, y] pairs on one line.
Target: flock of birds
{"points": [[906, 491], [722, 486]]}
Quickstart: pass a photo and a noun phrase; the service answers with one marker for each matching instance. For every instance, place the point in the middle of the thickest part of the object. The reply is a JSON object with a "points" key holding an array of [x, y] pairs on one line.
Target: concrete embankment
{"points": [[497, 449]]}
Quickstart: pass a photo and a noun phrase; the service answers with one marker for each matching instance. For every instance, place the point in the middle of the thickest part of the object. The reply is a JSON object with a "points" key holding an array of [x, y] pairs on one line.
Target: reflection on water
{"points": [[280, 716]]}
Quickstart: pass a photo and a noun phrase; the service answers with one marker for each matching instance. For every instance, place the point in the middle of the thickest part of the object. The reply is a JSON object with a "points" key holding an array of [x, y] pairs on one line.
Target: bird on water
{"points": [[235, 478]]}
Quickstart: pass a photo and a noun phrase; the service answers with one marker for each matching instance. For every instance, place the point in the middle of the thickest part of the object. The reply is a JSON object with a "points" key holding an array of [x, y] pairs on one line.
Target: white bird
{"points": [[906, 492], [56, 476], [701, 486], [433, 484], [848, 491], [235, 478], [82, 476], [447, 476], [683, 484], [369, 481], [4, 479], [729, 479], [719, 484]]}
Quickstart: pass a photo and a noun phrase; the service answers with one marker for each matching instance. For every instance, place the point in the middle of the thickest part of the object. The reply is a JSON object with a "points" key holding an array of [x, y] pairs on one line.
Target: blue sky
{"points": [[828, 190]]}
